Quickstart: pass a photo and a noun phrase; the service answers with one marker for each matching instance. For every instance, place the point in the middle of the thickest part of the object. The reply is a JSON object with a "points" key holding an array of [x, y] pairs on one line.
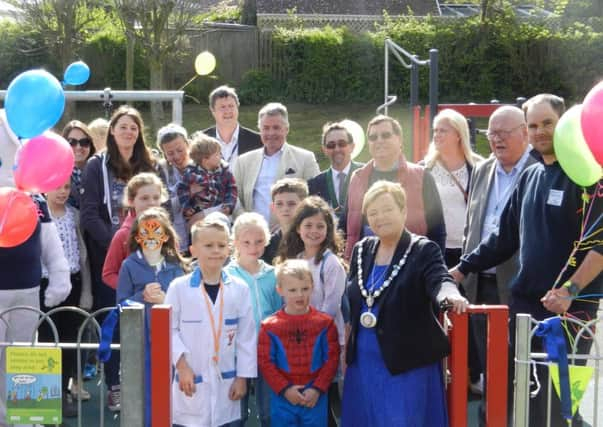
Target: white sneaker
{"points": [[79, 390]]}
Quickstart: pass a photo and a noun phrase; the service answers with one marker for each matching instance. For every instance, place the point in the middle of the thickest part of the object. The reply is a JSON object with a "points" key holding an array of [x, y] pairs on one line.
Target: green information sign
{"points": [[33, 385]]}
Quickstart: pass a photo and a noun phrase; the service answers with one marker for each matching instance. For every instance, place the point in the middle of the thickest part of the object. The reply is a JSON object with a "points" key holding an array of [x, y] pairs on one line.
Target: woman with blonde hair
{"points": [[450, 160]]}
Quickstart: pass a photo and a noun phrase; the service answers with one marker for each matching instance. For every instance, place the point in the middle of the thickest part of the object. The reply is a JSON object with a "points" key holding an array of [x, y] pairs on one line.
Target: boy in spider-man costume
{"points": [[298, 352]]}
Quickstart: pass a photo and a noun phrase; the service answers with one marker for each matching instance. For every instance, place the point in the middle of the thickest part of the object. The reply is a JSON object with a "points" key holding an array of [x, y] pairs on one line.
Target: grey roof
{"points": [[348, 7]]}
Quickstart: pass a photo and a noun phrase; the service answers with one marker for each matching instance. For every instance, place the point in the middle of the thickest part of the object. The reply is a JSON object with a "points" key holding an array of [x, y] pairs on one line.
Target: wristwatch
{"points": [[572, 288]]}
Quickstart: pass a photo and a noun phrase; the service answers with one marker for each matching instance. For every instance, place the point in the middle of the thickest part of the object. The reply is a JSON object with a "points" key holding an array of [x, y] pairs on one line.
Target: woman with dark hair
{"points": [[102, 211], [396, 345], [79, 138]]}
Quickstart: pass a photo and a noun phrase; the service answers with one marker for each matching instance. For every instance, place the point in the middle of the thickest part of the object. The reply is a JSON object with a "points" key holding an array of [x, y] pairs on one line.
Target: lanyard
{"points": [[215, 332]]}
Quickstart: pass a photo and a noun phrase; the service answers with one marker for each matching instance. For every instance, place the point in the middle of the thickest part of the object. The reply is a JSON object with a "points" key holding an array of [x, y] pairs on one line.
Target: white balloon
{"points": [[357, 135]]}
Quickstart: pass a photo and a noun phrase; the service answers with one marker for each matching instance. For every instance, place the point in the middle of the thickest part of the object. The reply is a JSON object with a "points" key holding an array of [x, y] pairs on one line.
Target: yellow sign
{"points": [[33, 385]]}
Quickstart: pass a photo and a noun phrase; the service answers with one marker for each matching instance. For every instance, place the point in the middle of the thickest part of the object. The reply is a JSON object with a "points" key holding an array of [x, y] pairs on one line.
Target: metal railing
{"points": [[108, 96], [496, 365], [413, 65], [131, 348], [525, 360]]}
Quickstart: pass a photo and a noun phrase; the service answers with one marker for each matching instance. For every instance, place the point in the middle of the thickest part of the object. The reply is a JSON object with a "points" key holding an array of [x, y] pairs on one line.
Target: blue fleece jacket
{"points": [[265, 300], [135, 273]]}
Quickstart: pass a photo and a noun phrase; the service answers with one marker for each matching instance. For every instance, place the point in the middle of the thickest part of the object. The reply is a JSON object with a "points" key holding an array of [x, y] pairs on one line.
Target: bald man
{"points": [[492, 183]]}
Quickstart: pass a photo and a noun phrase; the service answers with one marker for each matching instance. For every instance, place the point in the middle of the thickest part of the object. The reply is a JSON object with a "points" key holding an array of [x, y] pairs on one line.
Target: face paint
{"points": [[151, 235]]}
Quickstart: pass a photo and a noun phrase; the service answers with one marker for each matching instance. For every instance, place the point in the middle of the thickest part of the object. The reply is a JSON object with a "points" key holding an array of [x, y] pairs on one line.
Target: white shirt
{"points": [[453, 201], [335, 178], [266, 177], [503, 184], [230, 149]]}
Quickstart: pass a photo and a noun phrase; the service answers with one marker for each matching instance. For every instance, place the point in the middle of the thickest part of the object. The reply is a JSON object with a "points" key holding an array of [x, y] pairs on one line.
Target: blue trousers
{"points": [[284, 414]]}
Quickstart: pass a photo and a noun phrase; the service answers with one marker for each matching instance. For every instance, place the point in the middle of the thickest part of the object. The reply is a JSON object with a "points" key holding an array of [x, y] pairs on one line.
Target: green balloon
{"points": [[574, 156]]}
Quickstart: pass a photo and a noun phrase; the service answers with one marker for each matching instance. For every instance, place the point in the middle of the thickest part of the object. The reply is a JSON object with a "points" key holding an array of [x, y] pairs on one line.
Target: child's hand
{"points": [[238, 389], [311, 396], [186, 377], [151, 291], [294, 395]]}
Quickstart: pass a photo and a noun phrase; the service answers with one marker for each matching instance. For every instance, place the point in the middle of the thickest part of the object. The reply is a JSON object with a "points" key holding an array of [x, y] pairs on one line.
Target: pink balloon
{"points": [[591, 121], [43, 163]]}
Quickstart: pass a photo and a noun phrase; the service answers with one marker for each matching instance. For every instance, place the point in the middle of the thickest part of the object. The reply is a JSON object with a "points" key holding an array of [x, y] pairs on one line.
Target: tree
{"points": [[158, 26], [63, 25]]}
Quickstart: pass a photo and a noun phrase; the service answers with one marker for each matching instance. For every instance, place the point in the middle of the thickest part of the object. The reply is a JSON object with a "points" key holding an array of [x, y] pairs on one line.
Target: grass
{"points": [[306, 122]]}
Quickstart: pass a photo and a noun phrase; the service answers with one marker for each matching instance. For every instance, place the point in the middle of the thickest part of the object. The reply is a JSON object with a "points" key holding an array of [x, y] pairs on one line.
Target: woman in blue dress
{"points": [[394, 352]]}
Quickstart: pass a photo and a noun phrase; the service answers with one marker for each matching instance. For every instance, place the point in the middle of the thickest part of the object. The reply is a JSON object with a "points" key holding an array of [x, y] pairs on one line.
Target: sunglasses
{"points": [[84, 142], [384, 135], [332, 144]]}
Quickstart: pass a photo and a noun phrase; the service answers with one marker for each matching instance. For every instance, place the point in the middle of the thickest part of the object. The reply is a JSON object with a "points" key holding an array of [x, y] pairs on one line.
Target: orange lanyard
{"points": [[210, 311]]}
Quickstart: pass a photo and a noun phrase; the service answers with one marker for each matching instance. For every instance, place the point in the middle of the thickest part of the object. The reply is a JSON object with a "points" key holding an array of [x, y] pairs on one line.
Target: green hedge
{"points": [[502, 58]]}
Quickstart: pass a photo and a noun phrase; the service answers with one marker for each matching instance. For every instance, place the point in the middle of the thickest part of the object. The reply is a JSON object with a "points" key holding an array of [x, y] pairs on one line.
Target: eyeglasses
{"points": [[384, 135], [84, 142], [332, 144], [501, 134]]}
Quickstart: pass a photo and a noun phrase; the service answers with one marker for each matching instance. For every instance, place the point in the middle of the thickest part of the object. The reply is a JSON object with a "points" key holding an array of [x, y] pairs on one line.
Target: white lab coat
{"points": [[192, 336]]}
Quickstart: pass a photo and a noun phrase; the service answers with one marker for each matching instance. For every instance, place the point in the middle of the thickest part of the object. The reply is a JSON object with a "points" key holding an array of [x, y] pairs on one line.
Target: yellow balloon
{"points": [[205, 63]]}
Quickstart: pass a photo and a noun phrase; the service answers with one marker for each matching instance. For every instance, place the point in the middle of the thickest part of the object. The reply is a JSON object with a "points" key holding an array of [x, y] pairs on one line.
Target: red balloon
{"points": [[591, 121], [43, 163], [18, 217]]}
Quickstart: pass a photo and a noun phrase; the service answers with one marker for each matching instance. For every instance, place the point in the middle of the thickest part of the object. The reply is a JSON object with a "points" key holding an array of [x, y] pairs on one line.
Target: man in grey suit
{"points": [[257, 170], [492, 183]]}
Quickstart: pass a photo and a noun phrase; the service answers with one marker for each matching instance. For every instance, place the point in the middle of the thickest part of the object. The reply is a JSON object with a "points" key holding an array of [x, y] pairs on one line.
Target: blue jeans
{"points": [[262, 401]]}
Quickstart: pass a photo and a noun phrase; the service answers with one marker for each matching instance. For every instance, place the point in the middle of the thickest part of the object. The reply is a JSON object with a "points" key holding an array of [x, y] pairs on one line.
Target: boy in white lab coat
{"points": [[214, 343]]}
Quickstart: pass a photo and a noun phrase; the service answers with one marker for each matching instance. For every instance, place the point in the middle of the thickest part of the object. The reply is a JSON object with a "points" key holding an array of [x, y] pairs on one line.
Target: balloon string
{"points": [[585, 216], [189, 82], [592, 199]]}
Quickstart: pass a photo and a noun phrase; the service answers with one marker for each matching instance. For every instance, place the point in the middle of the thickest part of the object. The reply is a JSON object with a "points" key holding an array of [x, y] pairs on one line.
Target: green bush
{"points": [[20, 50], [256, 87], [501, 58]]}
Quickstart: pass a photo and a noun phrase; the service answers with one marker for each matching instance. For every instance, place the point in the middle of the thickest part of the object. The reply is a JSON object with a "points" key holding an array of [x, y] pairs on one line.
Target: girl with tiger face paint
{"points": [[147, 272]]}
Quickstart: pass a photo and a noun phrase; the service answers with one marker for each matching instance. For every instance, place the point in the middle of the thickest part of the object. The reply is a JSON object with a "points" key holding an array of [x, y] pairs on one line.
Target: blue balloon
{"points": [[34, 103], [76, 73]]}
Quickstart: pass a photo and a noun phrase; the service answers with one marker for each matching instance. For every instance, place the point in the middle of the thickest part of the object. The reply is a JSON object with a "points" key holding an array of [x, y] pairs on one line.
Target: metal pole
{"points": [[386, 68], [132, 335], [521, 395], [433, 84], [414, 82]]}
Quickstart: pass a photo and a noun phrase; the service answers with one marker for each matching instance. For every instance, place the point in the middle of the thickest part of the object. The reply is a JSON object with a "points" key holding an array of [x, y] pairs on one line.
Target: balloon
{"points": [[205, 63], [43, 163], [571, 150], [357, 135], [591, 120], [34, 103], [18, 217], [76, 73]]}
